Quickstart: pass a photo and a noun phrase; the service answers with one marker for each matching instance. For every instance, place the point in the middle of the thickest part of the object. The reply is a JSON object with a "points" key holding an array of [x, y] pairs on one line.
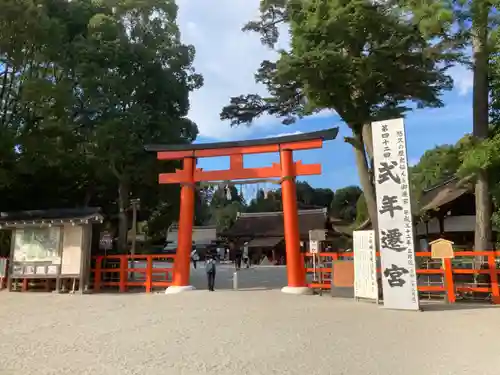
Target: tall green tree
{"points": [[224, 205], [360, 58], [135, 76], [84, 85], [473, 24], [343, 205]]}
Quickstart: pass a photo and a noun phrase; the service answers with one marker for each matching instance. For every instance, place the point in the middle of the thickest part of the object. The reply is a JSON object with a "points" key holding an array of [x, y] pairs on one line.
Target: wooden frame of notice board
{"points": [[48, 250]]}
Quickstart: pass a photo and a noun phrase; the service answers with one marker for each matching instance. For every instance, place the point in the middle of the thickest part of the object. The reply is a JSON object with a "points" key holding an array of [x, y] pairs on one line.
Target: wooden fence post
{"points": [[97, 274], [449, 284], [123, 273], [149, 274], [492, 266]]}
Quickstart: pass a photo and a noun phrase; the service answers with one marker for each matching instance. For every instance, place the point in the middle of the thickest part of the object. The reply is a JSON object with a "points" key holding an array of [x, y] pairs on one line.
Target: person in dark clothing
{"points": [[210, 268], [194, 256], [238, 255]]}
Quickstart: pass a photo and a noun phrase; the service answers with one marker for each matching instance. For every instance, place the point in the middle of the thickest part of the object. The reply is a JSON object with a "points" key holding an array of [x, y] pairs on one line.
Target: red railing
{"points": [[152, 277], [449, 285], [4, 267]]}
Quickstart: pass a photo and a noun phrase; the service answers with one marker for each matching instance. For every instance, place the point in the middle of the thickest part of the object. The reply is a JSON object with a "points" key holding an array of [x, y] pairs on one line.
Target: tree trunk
{"points": [[366, 180], [368, 142], [123, 203], [482, 237]]}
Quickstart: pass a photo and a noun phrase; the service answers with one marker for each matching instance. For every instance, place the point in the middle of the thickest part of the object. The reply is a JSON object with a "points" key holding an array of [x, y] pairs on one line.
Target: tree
{"points": [[84, 85], [307, 198], [343, 205], [435, 166], [134, 76], [361, 211], [359, 58], [224, 205], [475, 24], [266, 202]]}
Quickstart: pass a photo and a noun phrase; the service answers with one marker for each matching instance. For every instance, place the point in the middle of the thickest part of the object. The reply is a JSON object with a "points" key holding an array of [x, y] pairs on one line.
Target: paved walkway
{"points": [[257, 332], [254, 278]]}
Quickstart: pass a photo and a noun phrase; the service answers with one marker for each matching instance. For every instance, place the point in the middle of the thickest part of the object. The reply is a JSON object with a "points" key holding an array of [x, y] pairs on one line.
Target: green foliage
{"points": [[361, 211], [438, 164], [343, 205], [357, 58], [84, 85], [473, 24], [307, 198], [361, 58]]}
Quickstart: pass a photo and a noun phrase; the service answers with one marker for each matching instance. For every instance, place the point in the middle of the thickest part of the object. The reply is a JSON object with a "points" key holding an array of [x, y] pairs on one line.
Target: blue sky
{"points": [[425, 129], [228, 59]]}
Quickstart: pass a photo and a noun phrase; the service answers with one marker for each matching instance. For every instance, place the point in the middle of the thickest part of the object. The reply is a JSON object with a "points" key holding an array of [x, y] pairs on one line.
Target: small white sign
{"points": [[314, 247], [365, 265], [106, 242], [395, 222]]}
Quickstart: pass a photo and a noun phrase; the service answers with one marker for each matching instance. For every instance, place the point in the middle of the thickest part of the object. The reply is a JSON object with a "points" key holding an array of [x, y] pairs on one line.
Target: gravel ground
{"points": [[256, 332]]}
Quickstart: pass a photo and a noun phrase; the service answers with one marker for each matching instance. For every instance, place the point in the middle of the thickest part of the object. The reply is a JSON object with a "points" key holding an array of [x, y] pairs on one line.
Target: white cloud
{"points": [[463, 79], [297, 132], [226, 57]]}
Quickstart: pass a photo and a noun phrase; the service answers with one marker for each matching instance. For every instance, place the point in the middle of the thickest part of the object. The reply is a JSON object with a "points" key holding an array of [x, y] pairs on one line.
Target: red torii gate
{"points": [[286, 170]]}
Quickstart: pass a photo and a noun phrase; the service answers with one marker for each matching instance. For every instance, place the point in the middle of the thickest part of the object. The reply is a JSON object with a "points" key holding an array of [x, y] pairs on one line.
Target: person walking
{"points": [[210, 268], [238, 254], [194, 257], [246, 257]]}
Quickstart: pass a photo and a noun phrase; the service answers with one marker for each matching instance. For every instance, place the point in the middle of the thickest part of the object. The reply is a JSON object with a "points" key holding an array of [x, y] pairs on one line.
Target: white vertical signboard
{"points": [[395, 224], [365, 265]]}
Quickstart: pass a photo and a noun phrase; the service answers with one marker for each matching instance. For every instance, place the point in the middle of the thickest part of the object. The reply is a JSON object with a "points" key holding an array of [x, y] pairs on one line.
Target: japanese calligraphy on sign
{"points": [[365, 265], [397, 250]]}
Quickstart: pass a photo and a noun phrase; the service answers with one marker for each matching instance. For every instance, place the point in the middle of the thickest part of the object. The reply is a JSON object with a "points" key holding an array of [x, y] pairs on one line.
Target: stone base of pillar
{"points": [[298, 290], [179, 289]]}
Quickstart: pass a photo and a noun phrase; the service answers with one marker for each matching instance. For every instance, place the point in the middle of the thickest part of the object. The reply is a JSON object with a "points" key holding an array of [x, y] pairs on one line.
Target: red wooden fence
{"points": [[4, 266], [124, 282], [152, 277], [449, 273]]}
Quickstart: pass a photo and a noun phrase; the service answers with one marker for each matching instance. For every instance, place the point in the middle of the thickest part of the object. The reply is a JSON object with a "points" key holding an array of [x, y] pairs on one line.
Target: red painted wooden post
{"points": [[25, 285], [492, 265], [149, 274], [123, 273], [97, 274], [449, 285], [182, 262], [294, 265]]}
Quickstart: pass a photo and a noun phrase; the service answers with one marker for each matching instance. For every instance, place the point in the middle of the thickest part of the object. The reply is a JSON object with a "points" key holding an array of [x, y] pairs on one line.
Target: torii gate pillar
{"points": [[182, 262], [295, 269]]}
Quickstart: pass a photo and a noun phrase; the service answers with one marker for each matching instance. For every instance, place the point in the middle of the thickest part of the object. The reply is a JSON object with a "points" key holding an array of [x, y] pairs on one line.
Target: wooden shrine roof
{"points": [[270, 224], [434, 197], [325, 135], [54, 215], [441, 194]]}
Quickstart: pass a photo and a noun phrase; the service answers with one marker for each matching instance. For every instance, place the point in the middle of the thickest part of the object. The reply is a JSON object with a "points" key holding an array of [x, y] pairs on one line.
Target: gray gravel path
{"points": [[260, 332]]}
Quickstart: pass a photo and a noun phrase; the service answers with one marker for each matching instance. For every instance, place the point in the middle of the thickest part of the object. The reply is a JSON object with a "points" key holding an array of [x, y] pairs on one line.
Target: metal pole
{"points": [[235, 281], [135, 204]]}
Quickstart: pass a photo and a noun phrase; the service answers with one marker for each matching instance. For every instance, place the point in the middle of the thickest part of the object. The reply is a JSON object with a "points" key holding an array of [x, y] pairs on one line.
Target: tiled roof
{"points": [[442, 194], [270, 224], [65, 214]]}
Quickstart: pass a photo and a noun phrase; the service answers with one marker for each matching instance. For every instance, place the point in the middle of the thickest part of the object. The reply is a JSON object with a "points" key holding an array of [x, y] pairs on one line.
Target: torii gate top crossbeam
{"points": [[236, 151], [304, 141]]}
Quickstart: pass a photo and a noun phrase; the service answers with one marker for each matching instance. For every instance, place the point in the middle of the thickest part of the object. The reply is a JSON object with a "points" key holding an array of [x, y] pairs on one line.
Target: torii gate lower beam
{"points": [[286, 170]]}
